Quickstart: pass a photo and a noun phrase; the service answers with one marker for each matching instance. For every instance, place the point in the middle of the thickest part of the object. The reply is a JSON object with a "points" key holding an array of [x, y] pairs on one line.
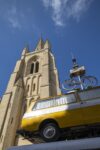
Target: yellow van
{"points": [[50, 116]]}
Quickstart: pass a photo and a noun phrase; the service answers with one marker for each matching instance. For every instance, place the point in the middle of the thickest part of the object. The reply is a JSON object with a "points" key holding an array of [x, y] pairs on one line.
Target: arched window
{"points": [[28, 88], [24, 108], [34, 87], [32, 68], [37, 67]]}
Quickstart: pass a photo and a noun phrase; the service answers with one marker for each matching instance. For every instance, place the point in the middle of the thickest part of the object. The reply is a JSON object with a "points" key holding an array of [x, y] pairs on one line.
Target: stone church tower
{"points": [[35, 77]]}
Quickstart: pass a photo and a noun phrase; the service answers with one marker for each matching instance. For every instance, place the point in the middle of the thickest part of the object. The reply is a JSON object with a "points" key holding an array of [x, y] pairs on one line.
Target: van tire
{"points": [[50, 132]]}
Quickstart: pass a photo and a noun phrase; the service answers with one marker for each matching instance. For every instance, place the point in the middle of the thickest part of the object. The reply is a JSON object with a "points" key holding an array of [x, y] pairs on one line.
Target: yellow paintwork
{"points": [[68, 118]]}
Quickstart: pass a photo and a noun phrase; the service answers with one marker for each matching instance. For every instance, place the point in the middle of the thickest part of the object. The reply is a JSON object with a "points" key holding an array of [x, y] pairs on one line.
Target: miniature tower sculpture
{"points": [[35, 77], [78, 78], [77, 71]]}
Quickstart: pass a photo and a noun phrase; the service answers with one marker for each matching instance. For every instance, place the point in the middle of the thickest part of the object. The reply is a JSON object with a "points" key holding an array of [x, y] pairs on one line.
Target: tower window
{"points": [[34, 87], [32, 68], [28, 88], [37, 67]]}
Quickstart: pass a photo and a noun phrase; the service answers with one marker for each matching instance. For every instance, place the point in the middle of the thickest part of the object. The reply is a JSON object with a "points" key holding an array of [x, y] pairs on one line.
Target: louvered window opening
{"points": [[34, 67]]}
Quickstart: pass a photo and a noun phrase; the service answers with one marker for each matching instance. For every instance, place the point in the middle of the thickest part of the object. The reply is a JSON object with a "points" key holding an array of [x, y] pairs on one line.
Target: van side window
{"points": [[54, 102]]}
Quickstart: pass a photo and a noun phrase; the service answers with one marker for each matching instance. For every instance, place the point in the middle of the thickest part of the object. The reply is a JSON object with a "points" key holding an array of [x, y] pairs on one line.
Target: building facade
{"points": [[35, 77]]}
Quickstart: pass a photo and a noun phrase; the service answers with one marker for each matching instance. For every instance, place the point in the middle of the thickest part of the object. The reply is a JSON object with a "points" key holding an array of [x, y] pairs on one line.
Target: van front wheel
{"points": [[50, 132]]}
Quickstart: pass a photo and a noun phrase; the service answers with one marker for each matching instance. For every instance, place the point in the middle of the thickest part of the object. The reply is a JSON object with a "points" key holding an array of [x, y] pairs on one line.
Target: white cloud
{"points": [[16, 15], [12, 14], [46, 3], [56, 5], [13, 17], [78, 8], [63, 10]]}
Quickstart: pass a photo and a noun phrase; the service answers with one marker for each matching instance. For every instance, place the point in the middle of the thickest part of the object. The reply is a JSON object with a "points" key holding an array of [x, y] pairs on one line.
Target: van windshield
{"points": [[54, 102]]}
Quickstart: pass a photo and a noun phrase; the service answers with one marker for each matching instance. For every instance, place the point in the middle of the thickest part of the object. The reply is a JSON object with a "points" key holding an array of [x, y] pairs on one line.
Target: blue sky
{"points": [[70, 26]]}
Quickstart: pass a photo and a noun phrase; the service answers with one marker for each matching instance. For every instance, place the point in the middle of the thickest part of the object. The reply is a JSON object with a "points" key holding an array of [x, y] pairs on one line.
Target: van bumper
{"points": [[27, 134]]}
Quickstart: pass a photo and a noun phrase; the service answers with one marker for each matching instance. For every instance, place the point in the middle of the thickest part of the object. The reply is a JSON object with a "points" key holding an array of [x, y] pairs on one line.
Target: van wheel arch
{"points": [[48, 121]]}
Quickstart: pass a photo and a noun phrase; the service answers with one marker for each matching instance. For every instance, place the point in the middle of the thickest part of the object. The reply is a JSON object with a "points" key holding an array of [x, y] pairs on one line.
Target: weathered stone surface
{"points": [[26, 85]]}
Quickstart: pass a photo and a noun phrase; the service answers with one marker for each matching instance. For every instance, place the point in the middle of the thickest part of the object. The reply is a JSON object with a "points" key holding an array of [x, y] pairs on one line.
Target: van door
{"points": [[72, 115], [90, 106], [90, 111]]}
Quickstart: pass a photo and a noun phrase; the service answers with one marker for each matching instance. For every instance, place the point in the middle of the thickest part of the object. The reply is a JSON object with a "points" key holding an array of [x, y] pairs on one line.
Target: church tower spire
{"points": [[40, 44], [47, 44], [25, 51]]}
